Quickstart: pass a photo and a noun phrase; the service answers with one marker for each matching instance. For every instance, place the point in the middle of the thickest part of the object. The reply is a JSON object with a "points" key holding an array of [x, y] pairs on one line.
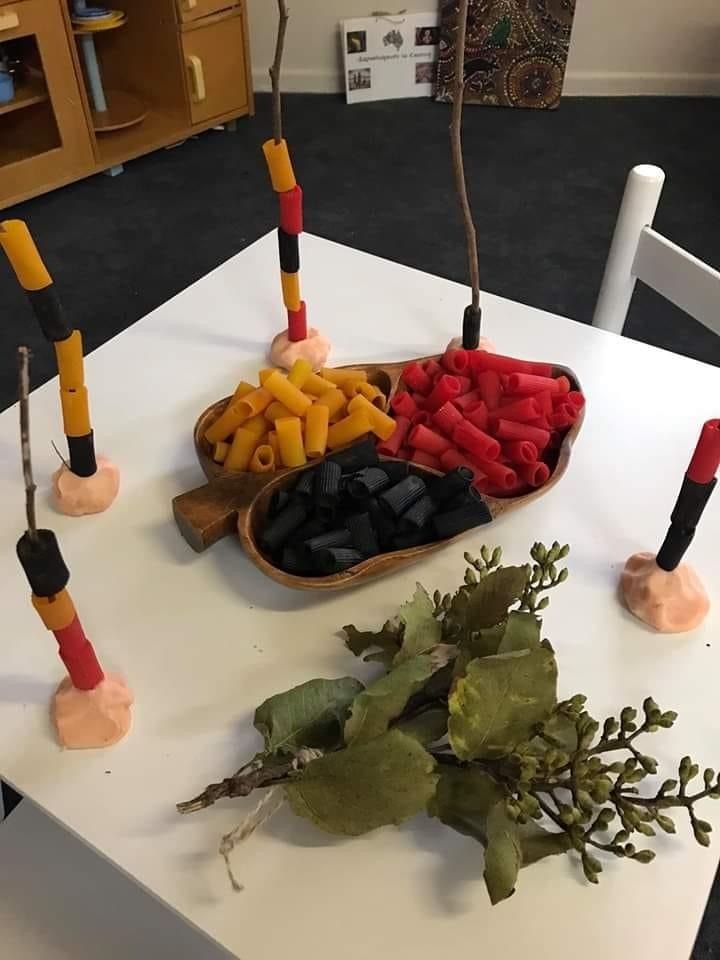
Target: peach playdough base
{"points": [[86, 719], [315, 348], [76, 496], [485, 344], [670, 602]]}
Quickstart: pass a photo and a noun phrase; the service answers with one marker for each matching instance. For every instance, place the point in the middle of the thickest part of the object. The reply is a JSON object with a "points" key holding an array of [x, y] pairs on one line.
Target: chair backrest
{"points": [[638, 252]]}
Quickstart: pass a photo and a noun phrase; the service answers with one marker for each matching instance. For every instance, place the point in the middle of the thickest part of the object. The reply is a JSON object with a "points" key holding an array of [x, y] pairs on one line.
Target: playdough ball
{"points": [[669, 601], [315, 349], [87, 719], [76, 496], [485, 344]]}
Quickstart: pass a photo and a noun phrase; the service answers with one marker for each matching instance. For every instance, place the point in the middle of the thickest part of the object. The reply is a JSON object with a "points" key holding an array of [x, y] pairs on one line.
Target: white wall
{"points": [[618, 46]]}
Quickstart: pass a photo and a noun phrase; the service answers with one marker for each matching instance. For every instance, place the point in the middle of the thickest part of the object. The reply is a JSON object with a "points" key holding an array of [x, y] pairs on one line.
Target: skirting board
{"points": [[579, 83]]}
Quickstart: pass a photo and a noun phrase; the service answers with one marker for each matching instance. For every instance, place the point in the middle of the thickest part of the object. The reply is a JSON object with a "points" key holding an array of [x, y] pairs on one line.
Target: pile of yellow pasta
{"points": [[291, 419]]}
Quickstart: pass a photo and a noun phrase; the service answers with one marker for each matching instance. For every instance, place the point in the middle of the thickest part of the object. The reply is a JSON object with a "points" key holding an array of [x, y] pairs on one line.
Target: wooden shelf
{"points": [[124, 110], [26, 94]]}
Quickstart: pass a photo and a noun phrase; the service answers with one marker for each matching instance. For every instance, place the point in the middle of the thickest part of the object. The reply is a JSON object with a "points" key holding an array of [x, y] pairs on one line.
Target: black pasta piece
{"points": [[43, 563], [383, 524], [418, 516], [360, 455], [335, 559], [312, 527], [278, 531], [473, 513], [414, 538], [397, 470], [326, 488], [403, 495], [81, 453], [295, 560], [279, 499], [333, 538], [368, 483], [305, 484], [363, 536], [289, 251], [446, 489]]}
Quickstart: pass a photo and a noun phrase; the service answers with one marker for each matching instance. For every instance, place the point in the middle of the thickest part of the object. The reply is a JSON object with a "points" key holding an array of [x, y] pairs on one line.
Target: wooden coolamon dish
{"points": [[515, 53]]}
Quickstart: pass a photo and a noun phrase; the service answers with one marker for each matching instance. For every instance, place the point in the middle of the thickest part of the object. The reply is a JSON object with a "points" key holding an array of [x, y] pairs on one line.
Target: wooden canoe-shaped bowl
{"points": [[238, 502]]}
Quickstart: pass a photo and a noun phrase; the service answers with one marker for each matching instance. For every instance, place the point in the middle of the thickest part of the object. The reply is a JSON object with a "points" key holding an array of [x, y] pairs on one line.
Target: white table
{"points": [[204, 639]]}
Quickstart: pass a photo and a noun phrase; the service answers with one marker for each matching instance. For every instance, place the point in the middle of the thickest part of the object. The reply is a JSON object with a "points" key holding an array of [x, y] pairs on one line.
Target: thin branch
{"points": [[283, 17], [23, 394], [457, 155]]}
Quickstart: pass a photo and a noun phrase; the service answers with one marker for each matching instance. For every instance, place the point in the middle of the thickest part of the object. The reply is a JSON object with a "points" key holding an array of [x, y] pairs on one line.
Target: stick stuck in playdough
{"points": [[77, 496], [315, 348], [87, 719]]}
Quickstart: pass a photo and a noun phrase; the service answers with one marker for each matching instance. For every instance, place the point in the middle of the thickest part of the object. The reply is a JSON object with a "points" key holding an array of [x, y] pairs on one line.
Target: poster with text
{"points": [[390, 57]]}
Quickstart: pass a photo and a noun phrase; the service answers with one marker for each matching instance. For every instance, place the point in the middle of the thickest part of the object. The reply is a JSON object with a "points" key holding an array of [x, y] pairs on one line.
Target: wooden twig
{"points": [[457, 154], [23, 394], [283, 17]]}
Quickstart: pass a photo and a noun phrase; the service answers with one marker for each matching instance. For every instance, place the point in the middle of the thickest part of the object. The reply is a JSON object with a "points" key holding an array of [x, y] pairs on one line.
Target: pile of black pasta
{"points": [[352, 506]]}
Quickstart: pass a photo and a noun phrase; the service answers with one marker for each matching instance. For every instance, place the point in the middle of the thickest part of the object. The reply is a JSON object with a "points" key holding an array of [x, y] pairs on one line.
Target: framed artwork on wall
{"points": [[515, 55]]}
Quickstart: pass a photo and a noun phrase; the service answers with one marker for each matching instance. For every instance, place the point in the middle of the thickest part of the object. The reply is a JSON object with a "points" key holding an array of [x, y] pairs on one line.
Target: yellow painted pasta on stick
{"points": [[294, 399], [263, 459], [350, 428], [335, 400], [340, 376], [290, 441], [277, 157], [241, 450], [76, 415], [69, 354], [381, 424], [291, 290], [316, 431]]}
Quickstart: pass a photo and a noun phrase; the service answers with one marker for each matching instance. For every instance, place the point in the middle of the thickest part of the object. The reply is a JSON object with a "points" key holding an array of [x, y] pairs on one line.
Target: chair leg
{"points": [[637, 210]]}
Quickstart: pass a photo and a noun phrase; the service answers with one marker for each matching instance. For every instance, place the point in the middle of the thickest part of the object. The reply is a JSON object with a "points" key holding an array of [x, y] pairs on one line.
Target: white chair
{"points": [[638, 252]]}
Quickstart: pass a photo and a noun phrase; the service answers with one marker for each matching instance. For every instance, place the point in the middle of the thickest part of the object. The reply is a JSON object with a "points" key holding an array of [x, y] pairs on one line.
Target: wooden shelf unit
{"points": [[176, 68]]}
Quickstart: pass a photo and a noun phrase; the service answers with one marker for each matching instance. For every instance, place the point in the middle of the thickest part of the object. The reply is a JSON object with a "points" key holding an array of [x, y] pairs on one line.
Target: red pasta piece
{"points": [[425, 459], [520, 451], [423, 417], [525, 383], [565, 416], [468, 400], [291, 210], [536, 474], [509, 430], [478, 415], [447, 417], [520, 410], [422, 438], [465, 384], [489, 388], [456, 361], [476, 441], [403, 405], [433, 369], [499, 474], [404, 453], [416, 378], [576, 398], [542, 423], [452, 459], [544, 400], [390, 447], [297, 323], [482, 360], [447, 388]]}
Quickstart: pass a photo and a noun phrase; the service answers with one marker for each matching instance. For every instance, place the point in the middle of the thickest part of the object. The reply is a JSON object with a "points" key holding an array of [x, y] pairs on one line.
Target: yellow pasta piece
{"points": [[340, 376], [227, 423], [317, 385], [316, 431], [374, 394], [242, 390], [241, 450], [263, 460], [299, 372], [264, 374], [290, 441], [279, 166], [69, 354], [75, 411], [381, 424], [277, 409], [349, 429], [272, 441], [335, 400], [220, 452], [291, 290], [294, 399], [257, 425], [351, 387], [255, 402], [23, 255]]}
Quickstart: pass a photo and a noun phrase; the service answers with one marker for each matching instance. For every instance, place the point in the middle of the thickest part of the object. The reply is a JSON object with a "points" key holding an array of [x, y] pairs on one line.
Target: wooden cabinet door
{"points": [[196, 9], [44, 137], [215, 64]]}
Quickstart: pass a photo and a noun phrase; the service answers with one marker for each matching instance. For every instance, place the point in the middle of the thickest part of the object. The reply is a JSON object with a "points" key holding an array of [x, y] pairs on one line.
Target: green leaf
{"points": [[503, 854], [464, 798], [383, 701], [522, 632], [387, 641], [350, 792], [500, 32], [426, 727], [422, 630], [499, 702], [489, 601], [483, 643], [310, 715], [536, 843]]}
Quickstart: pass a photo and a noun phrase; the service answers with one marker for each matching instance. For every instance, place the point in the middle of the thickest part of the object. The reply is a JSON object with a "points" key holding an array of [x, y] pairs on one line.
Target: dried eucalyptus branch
{"points": [[23, 396]]}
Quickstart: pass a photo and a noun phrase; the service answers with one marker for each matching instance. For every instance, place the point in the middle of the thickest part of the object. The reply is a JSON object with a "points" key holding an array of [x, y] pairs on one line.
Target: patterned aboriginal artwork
{"points": [[515, 55]]}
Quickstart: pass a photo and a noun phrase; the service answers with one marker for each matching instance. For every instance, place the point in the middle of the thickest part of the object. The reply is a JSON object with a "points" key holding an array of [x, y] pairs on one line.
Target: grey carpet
{"points": [[545, 188]]}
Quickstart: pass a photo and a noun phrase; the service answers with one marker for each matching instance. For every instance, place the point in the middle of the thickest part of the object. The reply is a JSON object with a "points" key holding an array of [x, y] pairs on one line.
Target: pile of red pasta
{"points": [[502, 417]]}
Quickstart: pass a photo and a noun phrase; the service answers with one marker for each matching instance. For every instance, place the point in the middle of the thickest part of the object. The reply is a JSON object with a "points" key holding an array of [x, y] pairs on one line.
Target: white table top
{"points": [[204, 639]]}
